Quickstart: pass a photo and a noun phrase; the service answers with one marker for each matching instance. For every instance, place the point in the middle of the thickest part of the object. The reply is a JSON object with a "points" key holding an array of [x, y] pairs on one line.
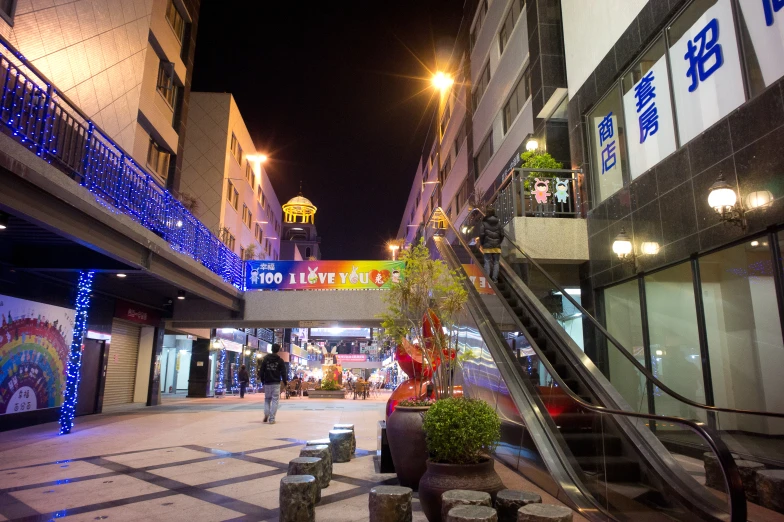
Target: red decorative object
{"points": [[410, 388]]}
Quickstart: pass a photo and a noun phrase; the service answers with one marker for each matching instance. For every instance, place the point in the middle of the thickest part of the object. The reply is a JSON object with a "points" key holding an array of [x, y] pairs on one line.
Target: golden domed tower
{"points": [[299, 239]]}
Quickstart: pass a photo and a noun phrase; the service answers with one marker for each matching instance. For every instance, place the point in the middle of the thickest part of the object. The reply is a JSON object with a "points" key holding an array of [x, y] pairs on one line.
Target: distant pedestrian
{"points": [[244, 378], [271, 372], [491, 234]]}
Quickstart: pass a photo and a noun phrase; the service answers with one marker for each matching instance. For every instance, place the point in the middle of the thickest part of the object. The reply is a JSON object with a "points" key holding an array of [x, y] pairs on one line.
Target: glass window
{"points": [[7, 9], [480, 20], [236, 150], [624, 322], [158, 159], [744, 331], [517, 99], [707, 79], [675, 345], [609, 148], [175, 20], [485, 153], [648, 111], [509, 22], [166, 84], [459, 139], [249, 175], [481, 84], [762, 31]]}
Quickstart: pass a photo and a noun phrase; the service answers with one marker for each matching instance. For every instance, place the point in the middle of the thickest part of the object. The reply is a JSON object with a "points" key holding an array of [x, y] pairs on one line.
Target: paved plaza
{"points": [[189, 460]]}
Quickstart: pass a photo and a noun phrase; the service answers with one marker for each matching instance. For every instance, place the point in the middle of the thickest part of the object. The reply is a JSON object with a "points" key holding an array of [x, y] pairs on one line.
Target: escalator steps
{"points": [[593, 444], [613, 469]]}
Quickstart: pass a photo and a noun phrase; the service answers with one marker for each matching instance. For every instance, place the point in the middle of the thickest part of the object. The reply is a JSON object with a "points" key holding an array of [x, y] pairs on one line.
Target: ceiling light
{"points": [[3, 220], [122, 276], [181, 295]]}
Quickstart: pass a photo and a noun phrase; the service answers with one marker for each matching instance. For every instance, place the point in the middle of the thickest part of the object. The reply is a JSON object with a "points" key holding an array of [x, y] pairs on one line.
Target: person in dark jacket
{"points": [[491, 234], [244, 378], [271, 372]]}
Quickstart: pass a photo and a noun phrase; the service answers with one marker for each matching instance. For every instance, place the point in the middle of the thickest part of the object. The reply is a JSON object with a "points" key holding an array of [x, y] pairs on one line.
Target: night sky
{"points": [[329, 89]]}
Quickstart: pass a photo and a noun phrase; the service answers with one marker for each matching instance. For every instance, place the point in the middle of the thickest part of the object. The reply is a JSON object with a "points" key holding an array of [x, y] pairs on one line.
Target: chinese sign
{"points": [[34, 350], [351, 357], [607, 142], [649, 119], [136, 314], [765, 21], [321, 275], [706, 73]]}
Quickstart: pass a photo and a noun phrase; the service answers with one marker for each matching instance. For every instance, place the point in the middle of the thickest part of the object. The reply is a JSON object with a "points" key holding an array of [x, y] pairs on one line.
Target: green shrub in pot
{"points": [[459, 430]]}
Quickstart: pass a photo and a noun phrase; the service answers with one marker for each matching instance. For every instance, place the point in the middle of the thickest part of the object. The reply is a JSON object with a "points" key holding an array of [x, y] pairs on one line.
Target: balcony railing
{"points": [[54, 128], [538, 193]]}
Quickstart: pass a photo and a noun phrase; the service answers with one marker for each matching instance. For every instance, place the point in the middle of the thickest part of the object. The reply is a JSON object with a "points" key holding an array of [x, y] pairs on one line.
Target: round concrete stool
{"points": [[770, 489], [471, 514], [321, 452], [390, 504], [317, 442], [544, 513], [341, 445], [463, 497], [508, 501], [309, 466], [748, 474], [353, 436], [296, 498]]}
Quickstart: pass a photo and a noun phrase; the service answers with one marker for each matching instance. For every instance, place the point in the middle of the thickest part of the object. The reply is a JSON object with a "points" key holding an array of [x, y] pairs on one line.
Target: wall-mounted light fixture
{"points": [[724, 200], [623, 247], [531, 145], [181, 295]]}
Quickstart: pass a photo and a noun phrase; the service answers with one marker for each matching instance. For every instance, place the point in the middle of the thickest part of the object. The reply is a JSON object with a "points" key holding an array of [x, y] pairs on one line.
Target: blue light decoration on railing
{"points": [[68, 409], [46, 122]]}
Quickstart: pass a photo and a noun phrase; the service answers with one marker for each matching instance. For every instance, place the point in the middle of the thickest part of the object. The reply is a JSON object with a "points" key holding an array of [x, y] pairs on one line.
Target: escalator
{"points": [[564, 426]]}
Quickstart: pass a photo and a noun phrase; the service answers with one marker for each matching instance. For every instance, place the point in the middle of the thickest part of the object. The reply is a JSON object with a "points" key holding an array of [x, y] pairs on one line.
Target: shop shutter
{"points": [[121, 370]]}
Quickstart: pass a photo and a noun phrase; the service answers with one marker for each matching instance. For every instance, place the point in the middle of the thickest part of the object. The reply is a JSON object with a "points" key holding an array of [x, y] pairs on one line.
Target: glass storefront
{"points": [[175, 364]]}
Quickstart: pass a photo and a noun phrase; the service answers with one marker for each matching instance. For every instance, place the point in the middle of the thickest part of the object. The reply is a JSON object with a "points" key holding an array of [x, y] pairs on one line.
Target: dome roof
{"points": [[300, 200]]}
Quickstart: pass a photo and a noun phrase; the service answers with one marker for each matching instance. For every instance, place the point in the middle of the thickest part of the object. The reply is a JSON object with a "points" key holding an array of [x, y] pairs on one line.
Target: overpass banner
{"points": [[322, 275]]}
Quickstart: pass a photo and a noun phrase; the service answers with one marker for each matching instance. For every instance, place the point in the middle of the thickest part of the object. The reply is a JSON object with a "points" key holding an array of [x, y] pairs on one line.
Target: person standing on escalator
{"points": [[491, 235]]}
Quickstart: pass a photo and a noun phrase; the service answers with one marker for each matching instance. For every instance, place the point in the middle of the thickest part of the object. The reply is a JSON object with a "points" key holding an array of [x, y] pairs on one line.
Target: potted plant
{"points": [[422, 314], [460, 434]]}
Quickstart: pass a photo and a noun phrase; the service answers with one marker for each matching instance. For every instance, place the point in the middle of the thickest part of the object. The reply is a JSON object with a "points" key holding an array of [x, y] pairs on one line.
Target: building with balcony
{"points": [[127, 66], [222, 173]]}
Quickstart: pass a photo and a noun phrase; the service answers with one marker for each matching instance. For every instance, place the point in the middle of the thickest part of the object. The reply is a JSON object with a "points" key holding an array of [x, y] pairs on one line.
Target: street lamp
{"points": [[394, 248], [442, 81], [724, 200]]}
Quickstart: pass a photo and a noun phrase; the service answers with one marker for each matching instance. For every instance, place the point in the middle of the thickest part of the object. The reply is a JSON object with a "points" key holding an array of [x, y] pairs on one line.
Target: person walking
{"points": [[271, 372], [244, 378], [491, 234]]}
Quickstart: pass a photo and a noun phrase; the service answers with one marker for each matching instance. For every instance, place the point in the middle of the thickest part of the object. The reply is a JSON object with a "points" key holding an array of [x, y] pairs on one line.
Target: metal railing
{"points": [[538, 193], [54, 128]]}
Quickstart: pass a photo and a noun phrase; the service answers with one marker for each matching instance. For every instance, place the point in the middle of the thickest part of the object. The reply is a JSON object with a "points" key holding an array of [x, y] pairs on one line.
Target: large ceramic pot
{"points": [[407, 444], [440, 478]]}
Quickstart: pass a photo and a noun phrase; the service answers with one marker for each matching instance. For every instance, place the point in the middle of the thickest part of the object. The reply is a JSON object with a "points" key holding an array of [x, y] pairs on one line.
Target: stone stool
{"points": [[309, 466], [544, 513], [318, 442], [770, 489], [341, 445], [714, 478], [468, 513], [508, 501], [353, 434], [296, 498], [463, 497], [390, 504], [748, 474], [322, 452]]}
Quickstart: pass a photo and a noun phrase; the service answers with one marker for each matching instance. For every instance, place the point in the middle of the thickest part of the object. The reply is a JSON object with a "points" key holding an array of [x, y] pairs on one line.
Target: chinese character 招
{"points": [[608, 157], [770, 7], [606, 130], [703, 49], [645, 92]]}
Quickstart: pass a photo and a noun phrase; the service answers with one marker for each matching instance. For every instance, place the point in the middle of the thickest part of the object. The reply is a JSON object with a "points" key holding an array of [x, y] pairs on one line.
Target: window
{"points": [[481, 85], [260, 195], [247, 215], [762, 28], [242, 252], [459, 139], [232, 195], [485, 153], [608, 147], [166, 84], [446, 168], [509, 23], [7, 10], [517, 99], [249, 175], [158, 159], [236, 150], [445, 118], [175, 20], [480, 20], [228, 239], [258, 233]]}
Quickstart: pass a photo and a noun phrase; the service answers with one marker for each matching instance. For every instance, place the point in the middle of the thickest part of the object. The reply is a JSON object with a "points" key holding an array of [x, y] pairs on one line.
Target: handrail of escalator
{"points": [[732, 479], [625, 352]]}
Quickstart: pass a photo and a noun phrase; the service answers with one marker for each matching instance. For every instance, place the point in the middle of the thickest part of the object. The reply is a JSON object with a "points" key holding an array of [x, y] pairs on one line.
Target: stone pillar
{"points": [[322, 452], [199, 378], [471, 514], [390, 504], [297, 494], [544, 513], [303, 466], [463, 497], [509, 501], [341, 445], [770, 489]]}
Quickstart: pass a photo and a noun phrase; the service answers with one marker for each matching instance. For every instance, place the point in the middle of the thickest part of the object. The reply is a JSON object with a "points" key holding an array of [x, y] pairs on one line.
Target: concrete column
{"points": [[199, 379], [154, 374]]}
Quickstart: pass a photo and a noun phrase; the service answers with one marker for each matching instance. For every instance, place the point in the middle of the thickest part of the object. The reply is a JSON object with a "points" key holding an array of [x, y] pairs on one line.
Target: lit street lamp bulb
{"points": [[531, 145], [442, 81]]}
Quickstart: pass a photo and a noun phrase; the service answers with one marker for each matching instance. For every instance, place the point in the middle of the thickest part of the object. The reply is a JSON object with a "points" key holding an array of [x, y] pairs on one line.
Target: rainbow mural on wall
{"points": [[34, 347]]}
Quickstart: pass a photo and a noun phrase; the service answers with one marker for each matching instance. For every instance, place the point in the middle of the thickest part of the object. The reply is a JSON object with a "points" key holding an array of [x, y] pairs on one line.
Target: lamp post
{"points": [[443, 83], [394, 248]]}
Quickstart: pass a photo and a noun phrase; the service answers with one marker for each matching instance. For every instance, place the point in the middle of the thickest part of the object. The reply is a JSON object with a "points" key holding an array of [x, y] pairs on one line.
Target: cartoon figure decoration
{"points": [[561, 190], [254, 276], [353, 278], [541, 190], [313, 276], [395, 276]]}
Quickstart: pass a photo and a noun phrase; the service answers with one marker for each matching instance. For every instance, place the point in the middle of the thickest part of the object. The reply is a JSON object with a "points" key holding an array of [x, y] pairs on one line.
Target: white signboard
{"points": [[649, 122], [607, 152], [765, 21], [706, 73]]}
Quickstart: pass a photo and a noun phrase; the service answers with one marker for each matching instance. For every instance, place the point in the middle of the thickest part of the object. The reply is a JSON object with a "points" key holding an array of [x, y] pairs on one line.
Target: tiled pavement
{"points": [[190, 460]]}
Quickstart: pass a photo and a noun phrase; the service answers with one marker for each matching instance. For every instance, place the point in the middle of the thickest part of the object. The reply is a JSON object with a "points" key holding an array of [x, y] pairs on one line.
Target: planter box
{"points": [[324, 394]]}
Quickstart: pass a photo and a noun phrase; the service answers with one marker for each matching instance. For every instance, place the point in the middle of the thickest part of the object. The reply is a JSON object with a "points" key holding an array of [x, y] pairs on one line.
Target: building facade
{"points": [[222, 173], [676, 117]]}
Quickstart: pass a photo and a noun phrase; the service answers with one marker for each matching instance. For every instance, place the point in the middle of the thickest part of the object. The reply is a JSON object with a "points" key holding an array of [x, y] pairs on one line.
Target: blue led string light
{"points": [[221, 372], [68, 409]]}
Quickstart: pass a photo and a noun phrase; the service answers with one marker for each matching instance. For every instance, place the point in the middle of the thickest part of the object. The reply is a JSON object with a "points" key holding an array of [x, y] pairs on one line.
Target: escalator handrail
{"points": [[625, 352], [736, 494]]}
